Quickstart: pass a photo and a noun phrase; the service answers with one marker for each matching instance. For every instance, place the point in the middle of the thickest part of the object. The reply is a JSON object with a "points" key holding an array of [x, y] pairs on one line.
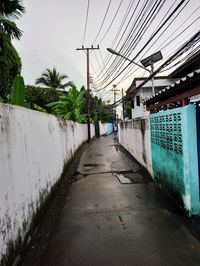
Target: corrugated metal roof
{"points": [[171, 87]]}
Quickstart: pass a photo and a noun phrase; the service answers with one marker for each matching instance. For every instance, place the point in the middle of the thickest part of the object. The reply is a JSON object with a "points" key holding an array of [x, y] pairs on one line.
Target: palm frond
{"points": [[11, 9], [10, 28], [53, 79]]}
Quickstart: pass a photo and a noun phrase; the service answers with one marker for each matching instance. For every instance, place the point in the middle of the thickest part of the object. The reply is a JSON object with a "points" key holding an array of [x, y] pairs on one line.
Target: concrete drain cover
{"points": [[136, 178], [123, 179], [92, 165], [98, 154], [133, 178]]}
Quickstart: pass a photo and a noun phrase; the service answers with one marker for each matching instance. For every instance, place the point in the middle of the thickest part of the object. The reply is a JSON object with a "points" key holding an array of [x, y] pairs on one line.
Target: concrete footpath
{"points": [[110, 220]]}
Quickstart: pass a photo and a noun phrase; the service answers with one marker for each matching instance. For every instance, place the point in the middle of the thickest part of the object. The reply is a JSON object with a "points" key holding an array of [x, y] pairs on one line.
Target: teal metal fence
{"points": [[174, 155], [109, 128]]}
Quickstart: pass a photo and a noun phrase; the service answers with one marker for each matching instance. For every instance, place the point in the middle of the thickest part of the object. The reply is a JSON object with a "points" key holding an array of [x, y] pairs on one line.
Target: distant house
{"points": [[145, 92]]}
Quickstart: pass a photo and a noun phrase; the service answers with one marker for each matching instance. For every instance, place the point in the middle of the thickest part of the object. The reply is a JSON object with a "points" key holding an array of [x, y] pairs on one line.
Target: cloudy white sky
{"points": [[54, 29]]}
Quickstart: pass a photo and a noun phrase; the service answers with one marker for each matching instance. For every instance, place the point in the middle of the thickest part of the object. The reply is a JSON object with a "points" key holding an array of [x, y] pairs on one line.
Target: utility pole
{"points": [[87, 49], [115, 94]]}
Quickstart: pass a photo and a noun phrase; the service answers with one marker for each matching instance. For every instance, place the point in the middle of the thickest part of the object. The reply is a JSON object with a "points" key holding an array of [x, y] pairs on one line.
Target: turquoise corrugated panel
{"points": [[109, 128], [174, 155]]}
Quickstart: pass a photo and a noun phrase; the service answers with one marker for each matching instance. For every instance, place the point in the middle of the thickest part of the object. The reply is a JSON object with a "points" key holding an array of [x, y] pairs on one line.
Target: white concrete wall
{"points": [[102, 128], [134, 136], [105, 128], [34, 147]]}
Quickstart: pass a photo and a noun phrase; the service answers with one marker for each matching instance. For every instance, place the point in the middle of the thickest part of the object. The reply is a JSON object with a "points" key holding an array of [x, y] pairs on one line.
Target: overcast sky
{"points": [[54, 29]]}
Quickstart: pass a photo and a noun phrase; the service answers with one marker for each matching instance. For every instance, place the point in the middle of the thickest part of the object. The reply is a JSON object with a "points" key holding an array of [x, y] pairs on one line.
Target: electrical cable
{"points": [[149, 40], [184, 48], [111, 22], [128, 10], [152, 10], [148, 15], [103, 21], [86, 21], [175, 38]]}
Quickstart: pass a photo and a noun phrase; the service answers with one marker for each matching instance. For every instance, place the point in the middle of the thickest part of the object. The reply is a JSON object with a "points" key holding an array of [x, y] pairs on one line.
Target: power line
{"points": [[128, 10], [149, 40], [184, 48], [170, 42], [103, 21], [139, 18], [86, 20], [111, 22]]}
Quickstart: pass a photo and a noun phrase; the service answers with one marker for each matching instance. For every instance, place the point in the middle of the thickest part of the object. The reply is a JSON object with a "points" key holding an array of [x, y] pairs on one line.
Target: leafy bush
{"points": [[70, 106]]}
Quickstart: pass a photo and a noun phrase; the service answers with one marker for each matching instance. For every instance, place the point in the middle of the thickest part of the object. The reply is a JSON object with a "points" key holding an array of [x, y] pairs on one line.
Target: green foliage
{"points": [[10, 28], [40, 109], [101, 111], [70, 106], [37, 96], [10, 61], [53, 79], [11, 9], [18, 91], [127, 109]]}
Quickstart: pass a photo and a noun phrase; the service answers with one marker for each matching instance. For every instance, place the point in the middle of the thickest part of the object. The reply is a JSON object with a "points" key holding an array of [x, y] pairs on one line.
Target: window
{"points": [[133, 104], [138, 100]]}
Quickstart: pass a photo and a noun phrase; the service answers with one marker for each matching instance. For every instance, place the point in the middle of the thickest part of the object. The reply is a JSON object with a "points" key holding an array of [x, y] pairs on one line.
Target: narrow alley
{"points": [[111, 220]]}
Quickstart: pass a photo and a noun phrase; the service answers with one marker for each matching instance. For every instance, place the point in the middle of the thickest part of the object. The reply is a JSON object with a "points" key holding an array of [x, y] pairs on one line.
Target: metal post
{"points": [[153, 90], [123, 112], [88, 96]]}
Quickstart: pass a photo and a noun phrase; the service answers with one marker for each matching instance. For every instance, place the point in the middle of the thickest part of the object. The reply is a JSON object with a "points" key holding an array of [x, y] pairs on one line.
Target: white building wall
{"points": [[146, 92], [139, 111], [134, 136], [34, 147]]}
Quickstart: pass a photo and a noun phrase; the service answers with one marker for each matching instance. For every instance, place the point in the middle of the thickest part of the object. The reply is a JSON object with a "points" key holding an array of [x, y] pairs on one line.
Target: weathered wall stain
{"points": [[134, 135], [169, 152], [35, 147]]}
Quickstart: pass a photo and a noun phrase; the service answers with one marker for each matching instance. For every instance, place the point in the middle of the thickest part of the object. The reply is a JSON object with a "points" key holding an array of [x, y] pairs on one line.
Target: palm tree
{"points": [[9, 10], [53, 79]]}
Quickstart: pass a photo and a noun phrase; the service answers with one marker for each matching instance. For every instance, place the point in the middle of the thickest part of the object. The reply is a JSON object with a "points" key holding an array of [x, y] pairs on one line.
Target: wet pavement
{"points": [[106, 221]]}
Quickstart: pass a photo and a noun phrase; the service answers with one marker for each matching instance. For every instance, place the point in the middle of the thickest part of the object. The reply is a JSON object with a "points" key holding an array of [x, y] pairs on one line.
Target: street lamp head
{"points": [[113, 51], [150, 60]]}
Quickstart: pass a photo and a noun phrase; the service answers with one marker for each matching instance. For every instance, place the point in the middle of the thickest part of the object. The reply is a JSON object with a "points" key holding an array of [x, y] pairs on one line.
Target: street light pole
{"points": [[153, 89], [149, 61], [118, 54]]}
